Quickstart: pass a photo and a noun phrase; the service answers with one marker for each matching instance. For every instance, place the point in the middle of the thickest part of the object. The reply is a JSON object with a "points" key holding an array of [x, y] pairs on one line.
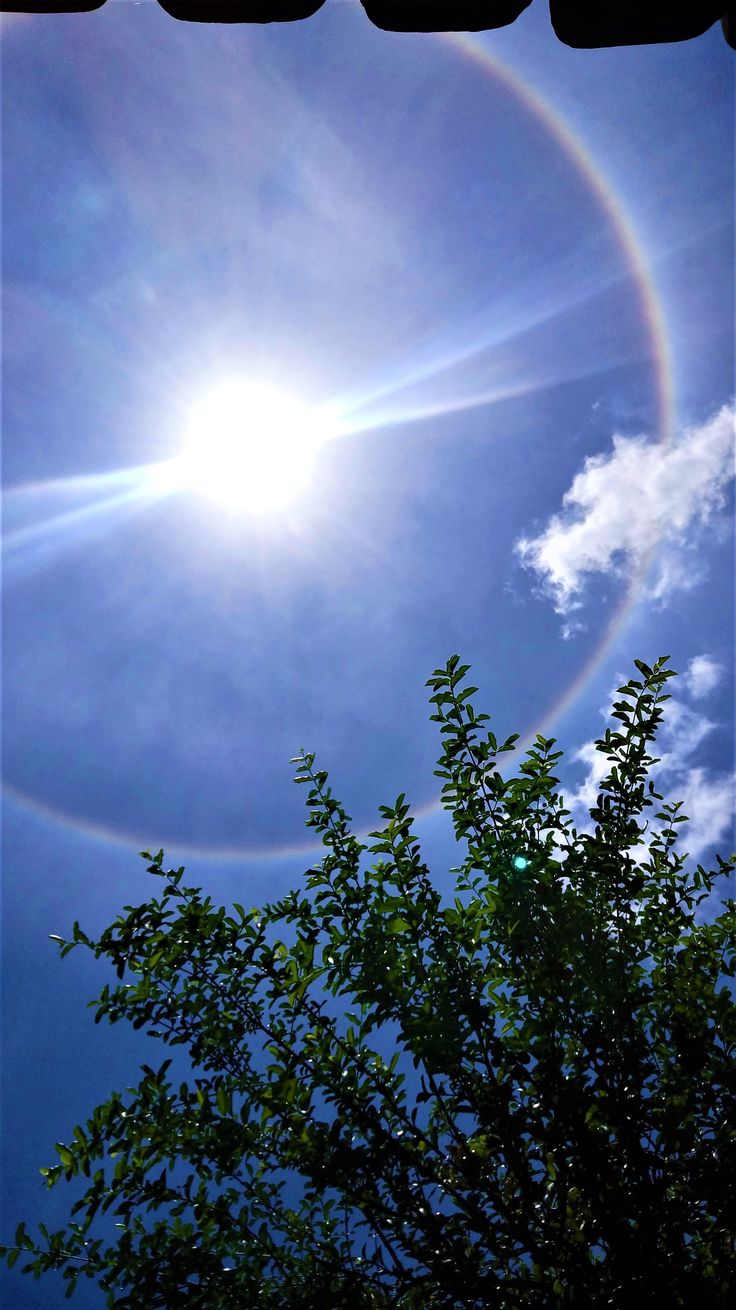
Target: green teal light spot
{"points": [[520, 862]]}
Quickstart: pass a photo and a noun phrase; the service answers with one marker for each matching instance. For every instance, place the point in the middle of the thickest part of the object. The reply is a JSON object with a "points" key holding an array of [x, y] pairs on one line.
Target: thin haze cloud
{"points": [[624, 504]]}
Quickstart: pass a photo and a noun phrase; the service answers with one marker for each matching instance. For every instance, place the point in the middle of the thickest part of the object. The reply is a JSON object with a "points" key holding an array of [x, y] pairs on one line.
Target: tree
{"points": [[523, 1098]]}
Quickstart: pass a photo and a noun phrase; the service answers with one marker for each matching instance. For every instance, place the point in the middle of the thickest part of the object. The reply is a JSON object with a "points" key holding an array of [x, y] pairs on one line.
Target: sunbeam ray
{"points": [[42, 520], [373, 420], [498, 327]]}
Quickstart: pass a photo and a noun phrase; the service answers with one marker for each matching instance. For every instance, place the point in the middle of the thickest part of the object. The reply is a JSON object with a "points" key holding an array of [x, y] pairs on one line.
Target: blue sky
{"points": [[504, 290]]}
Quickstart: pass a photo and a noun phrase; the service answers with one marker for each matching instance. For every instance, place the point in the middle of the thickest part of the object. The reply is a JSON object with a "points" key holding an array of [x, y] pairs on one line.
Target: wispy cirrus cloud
{"points": [[623, 504]]}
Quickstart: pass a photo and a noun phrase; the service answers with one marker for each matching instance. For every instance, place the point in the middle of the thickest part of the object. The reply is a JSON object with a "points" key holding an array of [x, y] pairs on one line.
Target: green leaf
{"points": [[562, 1033], [397, 925]]}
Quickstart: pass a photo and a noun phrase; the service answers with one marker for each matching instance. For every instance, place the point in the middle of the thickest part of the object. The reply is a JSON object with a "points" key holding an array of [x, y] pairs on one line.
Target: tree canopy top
{"points": [[382, 1097]]}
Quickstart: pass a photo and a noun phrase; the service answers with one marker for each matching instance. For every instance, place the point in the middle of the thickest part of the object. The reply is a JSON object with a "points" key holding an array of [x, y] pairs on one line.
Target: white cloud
{"points": [[682, 731], [708, 798], [581, 800], [702, 675], [571, 628], [624, 504], [709, 802]]}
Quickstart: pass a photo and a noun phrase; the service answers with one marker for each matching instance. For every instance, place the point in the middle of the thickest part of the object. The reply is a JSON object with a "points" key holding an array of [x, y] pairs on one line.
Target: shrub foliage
{"points": [[525, 1097]]}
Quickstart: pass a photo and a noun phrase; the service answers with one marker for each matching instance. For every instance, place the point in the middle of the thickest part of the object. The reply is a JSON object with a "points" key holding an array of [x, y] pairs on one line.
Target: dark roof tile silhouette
{"points": [[583, 24], [443, 15], [241, 11]]}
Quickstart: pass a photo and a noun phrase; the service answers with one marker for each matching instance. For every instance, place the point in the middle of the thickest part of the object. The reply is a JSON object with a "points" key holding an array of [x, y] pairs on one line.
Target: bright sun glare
{"points": [[250, 447]]}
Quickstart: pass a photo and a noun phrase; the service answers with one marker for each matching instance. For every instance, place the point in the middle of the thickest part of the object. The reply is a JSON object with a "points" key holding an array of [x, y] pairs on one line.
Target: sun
{"points": [[250, 447]]}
